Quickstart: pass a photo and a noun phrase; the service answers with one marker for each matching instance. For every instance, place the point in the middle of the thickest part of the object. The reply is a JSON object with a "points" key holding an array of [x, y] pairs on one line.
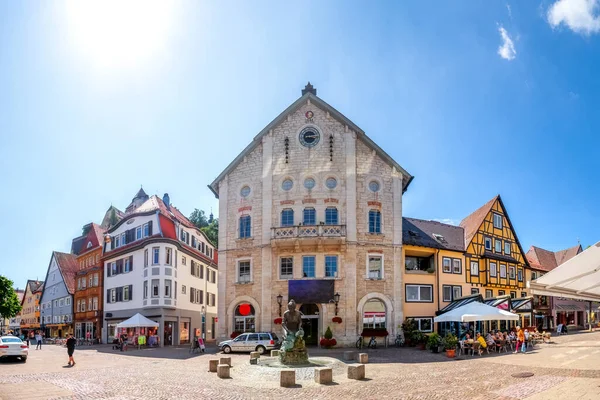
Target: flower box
{"points": [[327, 343], [278, 321], [337, 320]]}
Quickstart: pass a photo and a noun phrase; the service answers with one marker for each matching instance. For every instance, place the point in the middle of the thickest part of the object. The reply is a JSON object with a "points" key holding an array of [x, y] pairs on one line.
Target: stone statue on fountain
{"points": [[293, 349]]}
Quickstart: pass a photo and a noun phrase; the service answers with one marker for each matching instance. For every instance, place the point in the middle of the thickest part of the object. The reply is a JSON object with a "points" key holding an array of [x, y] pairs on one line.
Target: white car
{"points": [[12, 346], [261, 342]]}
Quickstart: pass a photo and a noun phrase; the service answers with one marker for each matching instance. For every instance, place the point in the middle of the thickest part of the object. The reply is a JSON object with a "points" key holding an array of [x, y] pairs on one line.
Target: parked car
{"points": [[12, 346], [261, 342]]}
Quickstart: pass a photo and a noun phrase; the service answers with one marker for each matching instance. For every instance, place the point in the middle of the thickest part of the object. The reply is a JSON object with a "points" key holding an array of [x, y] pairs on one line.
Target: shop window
{"points": [[419, 293], [374, 314], [244, 318]]}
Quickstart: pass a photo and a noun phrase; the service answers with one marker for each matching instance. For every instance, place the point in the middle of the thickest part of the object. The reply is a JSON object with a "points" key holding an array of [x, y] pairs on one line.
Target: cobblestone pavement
{"points": [[567, 369]]}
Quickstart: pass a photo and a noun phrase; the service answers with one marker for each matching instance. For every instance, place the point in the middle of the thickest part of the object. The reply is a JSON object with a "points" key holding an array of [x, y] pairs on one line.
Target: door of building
{"points": [[168, 339], [310, 323]]}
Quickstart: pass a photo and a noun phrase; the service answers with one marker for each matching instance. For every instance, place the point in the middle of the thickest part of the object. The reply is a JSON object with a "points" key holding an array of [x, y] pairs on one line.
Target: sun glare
{"points": [[119, 34]]}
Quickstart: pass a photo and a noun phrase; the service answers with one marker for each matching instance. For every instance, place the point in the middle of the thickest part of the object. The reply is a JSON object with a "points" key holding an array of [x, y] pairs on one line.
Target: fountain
{"points": [[293, 349]]}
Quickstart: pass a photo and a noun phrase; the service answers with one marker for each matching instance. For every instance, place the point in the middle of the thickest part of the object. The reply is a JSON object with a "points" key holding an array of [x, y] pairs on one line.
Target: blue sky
{"points": [[472, 98]]}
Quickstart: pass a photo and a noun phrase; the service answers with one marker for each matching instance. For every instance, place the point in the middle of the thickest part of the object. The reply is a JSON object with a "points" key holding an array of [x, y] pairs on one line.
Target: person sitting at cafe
{"points": [[499, 335], [468, 337], [481, 342], [490, 339], [512, 336]]}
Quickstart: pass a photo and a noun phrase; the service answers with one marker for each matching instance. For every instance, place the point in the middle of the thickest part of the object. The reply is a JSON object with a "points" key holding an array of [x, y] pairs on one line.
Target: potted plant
{"points": [[328, 341], [419, 339], [433, 342], [450, 342], [409, 327]]}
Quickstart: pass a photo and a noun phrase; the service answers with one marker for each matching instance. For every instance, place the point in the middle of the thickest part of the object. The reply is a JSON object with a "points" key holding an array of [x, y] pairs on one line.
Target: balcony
{"points": [[308, 235]]}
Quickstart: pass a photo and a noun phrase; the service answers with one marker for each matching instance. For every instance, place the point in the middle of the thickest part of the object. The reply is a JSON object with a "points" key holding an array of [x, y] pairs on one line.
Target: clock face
{"points": [[309, 137]]}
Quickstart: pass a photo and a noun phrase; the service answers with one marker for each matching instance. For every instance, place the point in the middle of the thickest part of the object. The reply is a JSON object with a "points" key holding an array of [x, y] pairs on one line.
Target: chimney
{"points": [[167, 202]]}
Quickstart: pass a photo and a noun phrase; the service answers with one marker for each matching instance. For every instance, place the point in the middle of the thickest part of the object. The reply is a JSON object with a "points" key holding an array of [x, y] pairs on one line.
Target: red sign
{"points": [[216, 319]]}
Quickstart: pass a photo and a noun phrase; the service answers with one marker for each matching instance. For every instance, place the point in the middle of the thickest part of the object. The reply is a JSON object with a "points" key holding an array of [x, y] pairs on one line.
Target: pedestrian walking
{"points": [[38, 338], [520, 339], [71, 342]]}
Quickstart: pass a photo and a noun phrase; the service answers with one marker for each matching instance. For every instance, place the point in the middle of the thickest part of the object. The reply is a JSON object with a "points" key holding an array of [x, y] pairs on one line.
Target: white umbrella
{"points": [[137, 321], [476, 311]]}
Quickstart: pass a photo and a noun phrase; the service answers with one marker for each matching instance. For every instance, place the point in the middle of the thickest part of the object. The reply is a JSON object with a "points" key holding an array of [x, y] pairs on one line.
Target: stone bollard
{"points": [[287, 378], [254, 354], [349, 355], [223, 371], [323, 375], [274, 353], [363, 358], [356, 371], [225, 360], [212, 365]]}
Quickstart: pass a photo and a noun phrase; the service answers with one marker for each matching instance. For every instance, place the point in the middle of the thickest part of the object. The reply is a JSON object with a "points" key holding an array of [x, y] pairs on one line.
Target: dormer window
{"points": [[439, 238], [89, 245]]}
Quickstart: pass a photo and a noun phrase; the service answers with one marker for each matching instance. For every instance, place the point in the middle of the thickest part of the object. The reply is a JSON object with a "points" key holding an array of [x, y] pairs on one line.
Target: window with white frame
{"points": [[447, 265], [497, 221], [493, 269], [113, 295], [507, 248], [533, 275], [374, 314], [331, 266], [308, 266], [155, 255], [501, 293], [61, 302], [168, 256], [167, 288], [502, 271], [127, 266], [511, 272], [183, 289], [474, 268], [183, 260], [489, 293], [244, 271], [126, 293], [145, 289], [146, 230], [145, 258], [95, 303], [155, 287], [138, 233], [286, 267], [498, 244], [474, 291], [451, 292], [67, 301], [456, 266], [419, 293], [375, 266]]}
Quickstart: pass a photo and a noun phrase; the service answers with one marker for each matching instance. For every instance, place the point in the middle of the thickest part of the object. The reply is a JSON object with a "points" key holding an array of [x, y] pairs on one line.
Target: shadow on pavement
{"points": [[170, 352]]}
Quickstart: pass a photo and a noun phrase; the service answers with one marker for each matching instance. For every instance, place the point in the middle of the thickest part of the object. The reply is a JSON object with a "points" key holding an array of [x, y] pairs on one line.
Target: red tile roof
{"points": [[472, 223], [547, 260], [68, 266]]}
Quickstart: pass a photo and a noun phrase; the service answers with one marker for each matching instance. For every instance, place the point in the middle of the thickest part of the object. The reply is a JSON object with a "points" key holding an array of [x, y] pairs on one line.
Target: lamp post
{"points": [[279, 301], [336, 300]]}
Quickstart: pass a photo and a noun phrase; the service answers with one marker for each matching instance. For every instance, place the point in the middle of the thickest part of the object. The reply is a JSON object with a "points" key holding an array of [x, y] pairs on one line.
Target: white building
{"points": [[311, 210], [158, 264]]}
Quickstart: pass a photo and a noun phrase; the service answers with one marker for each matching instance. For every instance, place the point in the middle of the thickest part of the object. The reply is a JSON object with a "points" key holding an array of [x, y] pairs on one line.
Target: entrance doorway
{"points": [[168, 340], [310, 323]]}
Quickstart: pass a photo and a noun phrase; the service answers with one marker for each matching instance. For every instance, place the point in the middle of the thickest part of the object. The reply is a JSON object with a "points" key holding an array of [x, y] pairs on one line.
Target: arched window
{"points": [[245, 226], [287, 217], [331, 216], [243, 318], [374, 221], [310, 216], [374, 315]]}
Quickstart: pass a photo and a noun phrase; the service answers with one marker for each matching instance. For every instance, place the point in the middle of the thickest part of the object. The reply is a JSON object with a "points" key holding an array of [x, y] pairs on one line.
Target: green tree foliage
{"points": [[209, 228], [113, 220], [9, 301]]}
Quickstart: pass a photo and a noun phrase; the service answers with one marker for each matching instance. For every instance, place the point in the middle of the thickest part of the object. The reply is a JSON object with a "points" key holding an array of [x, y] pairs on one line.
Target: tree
{"points": [[208, 227], [10, 305]]}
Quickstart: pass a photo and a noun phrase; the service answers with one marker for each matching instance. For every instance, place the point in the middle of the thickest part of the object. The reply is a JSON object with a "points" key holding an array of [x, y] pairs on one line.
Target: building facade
{"points": [[30, 312], [551, 311], [57, 297], [433, 273], [8, 324], [89, 284], [158, 264], [311, 210], [495, 263]]}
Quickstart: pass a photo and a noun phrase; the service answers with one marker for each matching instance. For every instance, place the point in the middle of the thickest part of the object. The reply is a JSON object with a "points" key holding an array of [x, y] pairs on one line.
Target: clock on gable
{"points": [[309, 137]]}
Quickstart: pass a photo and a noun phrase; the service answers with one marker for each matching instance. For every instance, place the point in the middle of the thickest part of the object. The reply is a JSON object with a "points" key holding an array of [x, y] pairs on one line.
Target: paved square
{"points": [[567, 369]]}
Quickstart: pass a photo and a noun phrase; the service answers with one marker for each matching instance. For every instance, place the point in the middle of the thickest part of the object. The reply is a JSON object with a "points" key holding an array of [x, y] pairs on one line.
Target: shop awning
{"points": [[502, 302], [460, 302], [137, 321], [521, 304], [476, 311], [578, 278]]}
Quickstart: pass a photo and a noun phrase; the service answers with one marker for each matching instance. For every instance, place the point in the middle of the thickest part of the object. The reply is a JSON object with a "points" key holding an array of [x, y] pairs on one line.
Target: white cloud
{"points": [[581, 16], [507, 49], [447, 221], [509, 10]]}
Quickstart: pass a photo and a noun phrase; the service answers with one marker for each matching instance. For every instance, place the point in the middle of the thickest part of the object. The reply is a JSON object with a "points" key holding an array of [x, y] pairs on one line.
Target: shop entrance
{"points": [[168, 339], [310, 323]]}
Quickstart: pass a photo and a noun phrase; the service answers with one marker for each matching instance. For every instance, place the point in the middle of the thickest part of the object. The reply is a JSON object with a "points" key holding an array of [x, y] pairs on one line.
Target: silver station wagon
{"points": [[261, 342]]}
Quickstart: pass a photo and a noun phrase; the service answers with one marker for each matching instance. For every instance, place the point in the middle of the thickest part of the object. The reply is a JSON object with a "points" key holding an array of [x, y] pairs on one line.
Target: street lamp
{"points": [[279, 301], [336, 300]]}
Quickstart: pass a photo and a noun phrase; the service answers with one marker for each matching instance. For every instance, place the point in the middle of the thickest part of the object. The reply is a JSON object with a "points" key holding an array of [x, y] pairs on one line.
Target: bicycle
{"points": [[399, 342], [360, 342], [372, 343]]}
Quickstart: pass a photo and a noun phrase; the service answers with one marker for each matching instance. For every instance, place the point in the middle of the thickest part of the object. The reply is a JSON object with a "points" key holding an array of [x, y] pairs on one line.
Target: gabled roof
{"points": [[419, 232], [308, 95], [472, 223], [547, 260], [140, 194], [68, 266], [94, 235]]}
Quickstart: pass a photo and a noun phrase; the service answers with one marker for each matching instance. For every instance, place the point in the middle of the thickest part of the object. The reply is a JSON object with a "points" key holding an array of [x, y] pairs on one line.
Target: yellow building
{"points": [[434, 269], [30, 313], [495, 261]]}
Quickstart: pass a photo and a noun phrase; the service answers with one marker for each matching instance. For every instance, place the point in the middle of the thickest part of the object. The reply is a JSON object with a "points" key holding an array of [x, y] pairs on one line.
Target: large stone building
{"points": [[311, 210], [158, 264]]}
